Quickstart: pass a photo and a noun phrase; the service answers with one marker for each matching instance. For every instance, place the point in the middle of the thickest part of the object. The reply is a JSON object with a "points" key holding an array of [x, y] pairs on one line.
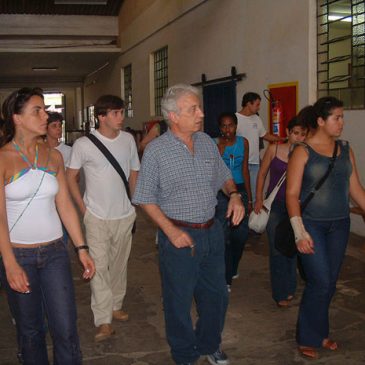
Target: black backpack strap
{"points": [[323, 179], [112, 160]]}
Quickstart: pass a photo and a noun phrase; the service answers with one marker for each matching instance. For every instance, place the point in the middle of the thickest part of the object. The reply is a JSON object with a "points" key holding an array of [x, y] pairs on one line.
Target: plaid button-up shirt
{"points": [[182, 184]]}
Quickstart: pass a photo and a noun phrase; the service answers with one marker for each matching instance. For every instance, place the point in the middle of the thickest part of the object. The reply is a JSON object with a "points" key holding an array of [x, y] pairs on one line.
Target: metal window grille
{"points": [[341, 51], [128, 90], [160, 77]]}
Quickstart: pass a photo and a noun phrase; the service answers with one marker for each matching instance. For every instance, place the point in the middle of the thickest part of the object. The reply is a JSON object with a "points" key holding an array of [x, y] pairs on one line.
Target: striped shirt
{"points": [[182, 184]]}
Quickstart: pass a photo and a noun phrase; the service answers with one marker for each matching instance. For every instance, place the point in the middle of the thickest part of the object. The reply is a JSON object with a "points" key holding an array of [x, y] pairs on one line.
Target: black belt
{"points": [[204, 225]]}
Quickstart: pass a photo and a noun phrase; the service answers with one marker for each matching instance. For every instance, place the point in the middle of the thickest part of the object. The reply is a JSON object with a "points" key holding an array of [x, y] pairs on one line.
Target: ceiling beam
{"points": [[66, 25]]}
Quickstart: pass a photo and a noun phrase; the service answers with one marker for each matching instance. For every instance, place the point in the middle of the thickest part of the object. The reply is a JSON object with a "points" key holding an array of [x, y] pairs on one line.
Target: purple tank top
{"points": [[277, 168]]}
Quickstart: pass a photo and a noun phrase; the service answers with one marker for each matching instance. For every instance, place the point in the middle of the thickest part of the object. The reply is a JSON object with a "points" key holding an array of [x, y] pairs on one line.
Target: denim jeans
{"points": [[235, 236], [282, 268], [254, 170], [52, 293], [65, 235], [321, 270], [201, 277]]}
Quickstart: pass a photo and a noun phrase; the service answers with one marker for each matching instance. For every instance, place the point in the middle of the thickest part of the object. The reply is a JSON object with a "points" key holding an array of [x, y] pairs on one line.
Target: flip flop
{"points": [[308, 352], [283, 303], [329, 344]]}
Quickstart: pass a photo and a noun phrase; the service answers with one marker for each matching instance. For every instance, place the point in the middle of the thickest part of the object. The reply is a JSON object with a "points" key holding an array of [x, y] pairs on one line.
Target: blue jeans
{"points": [[52, 293], [321, 270], [282, 268], [235, 236], [200, 277], [65, 235], [254, 170]]}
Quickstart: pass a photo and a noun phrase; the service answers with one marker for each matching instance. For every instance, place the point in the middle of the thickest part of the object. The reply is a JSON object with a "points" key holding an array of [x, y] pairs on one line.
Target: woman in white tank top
{"points": [[35, 267]]}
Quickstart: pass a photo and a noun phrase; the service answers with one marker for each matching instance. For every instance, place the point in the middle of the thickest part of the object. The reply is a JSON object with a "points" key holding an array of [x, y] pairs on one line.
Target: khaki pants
{"points": [[110, 245]]}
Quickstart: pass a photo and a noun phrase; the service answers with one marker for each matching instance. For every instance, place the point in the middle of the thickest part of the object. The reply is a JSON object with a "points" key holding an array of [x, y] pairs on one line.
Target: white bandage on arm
{"points": [[298, 227]]}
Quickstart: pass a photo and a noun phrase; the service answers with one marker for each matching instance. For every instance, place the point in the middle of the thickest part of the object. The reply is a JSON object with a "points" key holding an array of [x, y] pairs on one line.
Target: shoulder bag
{"points": [[284, 234], [258, 222], [100, 145]]}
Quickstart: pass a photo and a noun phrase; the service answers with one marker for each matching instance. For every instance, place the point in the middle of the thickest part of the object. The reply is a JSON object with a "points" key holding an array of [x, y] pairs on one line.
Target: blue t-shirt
{"points": [[233, 157]]}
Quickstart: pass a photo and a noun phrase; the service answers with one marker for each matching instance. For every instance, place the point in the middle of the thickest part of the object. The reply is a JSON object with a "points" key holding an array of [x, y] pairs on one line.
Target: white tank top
{"points": [[39, 221]]}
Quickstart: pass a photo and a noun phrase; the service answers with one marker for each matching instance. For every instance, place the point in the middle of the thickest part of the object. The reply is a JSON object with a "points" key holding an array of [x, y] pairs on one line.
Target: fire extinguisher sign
{"points": [[282, 105]]}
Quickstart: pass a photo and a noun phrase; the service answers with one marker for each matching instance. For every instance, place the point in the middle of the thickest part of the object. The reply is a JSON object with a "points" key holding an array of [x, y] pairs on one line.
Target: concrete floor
{"points": [[256, 331]]}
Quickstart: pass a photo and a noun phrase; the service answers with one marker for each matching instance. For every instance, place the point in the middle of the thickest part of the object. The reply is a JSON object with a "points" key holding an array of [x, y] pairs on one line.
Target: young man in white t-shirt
{"points": [[250, 126], [54, 134], [107, 211]]}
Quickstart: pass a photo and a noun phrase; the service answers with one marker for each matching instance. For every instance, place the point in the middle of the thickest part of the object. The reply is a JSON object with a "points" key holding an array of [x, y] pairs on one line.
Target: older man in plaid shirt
{"points": [[180, 176]]}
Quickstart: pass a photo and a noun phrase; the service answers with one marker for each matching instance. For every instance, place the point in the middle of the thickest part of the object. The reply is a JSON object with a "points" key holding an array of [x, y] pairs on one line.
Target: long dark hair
{"points": [[324, 106], [14, 104], [308, 117]]}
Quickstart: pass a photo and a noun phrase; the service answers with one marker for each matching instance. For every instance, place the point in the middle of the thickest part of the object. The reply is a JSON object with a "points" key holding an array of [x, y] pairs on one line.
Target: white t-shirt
{"points": [[251, 128], [105, 195], [66, 153]]}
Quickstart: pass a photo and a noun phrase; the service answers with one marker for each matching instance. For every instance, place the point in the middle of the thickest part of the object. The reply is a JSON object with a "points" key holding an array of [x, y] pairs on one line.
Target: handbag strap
{"points": [[34, 194], [281, 180], [112, 161], [323, 179], [268, 201]]}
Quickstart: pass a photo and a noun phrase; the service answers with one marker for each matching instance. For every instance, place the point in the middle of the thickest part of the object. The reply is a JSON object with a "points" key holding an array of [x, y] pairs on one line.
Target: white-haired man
{"points": [[180, 176]]}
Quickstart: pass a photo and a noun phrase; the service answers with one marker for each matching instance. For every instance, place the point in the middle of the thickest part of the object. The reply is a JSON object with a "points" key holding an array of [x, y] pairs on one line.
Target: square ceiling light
{"points": [[80, 2], [46, 68]]}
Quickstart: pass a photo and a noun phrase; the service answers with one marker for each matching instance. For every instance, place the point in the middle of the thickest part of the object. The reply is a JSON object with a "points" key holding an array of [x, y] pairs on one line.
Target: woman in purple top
{"points": [[282, 268]]}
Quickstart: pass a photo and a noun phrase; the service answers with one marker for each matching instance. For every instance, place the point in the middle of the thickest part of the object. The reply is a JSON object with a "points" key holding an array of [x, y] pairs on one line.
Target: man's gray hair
{"points": [[172, 95]]}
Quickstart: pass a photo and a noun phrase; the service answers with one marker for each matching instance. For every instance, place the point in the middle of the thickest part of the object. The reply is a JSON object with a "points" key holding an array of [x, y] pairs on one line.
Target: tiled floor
{"points": [[256, 331]]}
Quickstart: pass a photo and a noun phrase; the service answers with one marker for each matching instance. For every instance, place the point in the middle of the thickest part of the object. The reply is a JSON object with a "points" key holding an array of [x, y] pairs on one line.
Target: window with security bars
{"points": [[128, 90], [341, 51], [160, 71]]}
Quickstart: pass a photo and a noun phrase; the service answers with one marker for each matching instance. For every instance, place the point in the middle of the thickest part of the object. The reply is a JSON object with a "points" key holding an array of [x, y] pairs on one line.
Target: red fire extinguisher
{"points": [[277, 115]]}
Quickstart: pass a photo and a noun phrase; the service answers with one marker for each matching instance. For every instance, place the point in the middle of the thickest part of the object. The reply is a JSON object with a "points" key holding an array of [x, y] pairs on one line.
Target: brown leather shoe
{"points": [[120, 315], [104, 332]]}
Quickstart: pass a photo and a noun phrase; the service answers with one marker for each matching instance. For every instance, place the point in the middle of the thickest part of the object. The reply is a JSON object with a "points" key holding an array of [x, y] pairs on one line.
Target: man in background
{"points": [[251, 127], [54, 135]]}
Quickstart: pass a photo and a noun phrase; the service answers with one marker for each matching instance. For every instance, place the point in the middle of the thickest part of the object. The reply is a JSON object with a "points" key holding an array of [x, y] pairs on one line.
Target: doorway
{"points": [[218, 98]]}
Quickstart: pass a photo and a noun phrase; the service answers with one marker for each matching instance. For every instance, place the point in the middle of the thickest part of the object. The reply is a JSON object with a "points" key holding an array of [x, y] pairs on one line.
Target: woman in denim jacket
{"points": [[322, 229]]}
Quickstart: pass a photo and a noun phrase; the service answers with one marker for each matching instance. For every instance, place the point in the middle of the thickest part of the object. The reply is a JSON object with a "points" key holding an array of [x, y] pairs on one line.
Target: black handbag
{"points": [[284, 234], [116, 166]]}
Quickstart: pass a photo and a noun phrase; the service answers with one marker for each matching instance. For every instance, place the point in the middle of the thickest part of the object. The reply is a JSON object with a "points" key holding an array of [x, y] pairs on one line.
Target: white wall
{"points": [[210, 39], [354, 133], [271, 41], [276, 46]]}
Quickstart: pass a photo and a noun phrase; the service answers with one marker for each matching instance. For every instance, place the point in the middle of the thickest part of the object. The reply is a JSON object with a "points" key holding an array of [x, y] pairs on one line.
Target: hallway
{"points": [[256, 331]]}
